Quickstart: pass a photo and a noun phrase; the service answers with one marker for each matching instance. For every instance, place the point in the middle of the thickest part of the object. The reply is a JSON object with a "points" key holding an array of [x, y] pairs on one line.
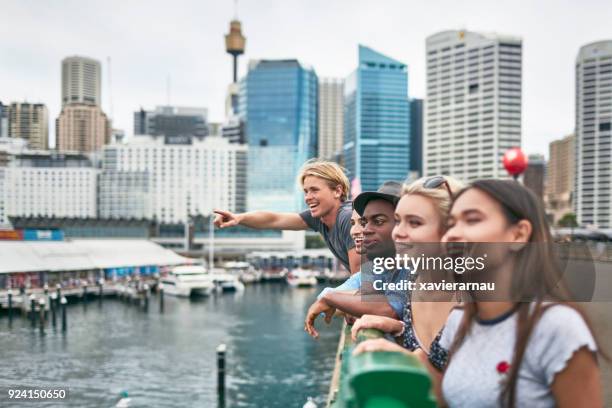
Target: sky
{"points": [[183, 40]]}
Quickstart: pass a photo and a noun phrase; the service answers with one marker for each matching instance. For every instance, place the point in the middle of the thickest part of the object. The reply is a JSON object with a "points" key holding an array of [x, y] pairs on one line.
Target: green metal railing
{"points": [[378, 379]]}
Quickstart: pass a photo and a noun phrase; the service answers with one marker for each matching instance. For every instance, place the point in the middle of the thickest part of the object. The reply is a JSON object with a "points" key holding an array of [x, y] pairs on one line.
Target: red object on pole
{"points": [[515, 161]]}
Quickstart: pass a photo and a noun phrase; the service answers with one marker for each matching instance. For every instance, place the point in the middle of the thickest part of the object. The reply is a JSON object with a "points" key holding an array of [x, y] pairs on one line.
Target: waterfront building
{"points": [[4, 118], [560, 178], [81, 81], [29, 121], [473, 106], [377, 120], [83, 128], [48, 184], [172, 121], [593, 148], [124, 194], [278, 102], [172, 179], [331, 117], [535, 175], [416, 136]]}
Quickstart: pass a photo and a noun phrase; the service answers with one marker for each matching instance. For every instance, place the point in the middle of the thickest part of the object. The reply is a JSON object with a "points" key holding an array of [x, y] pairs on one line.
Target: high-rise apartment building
{"points": [[377, 120], [38, 183], [82, 128], [560, 178], [473, 106], [416, 136], [82, 125], [172, 121], [29, 121], [81, 81], [331, 117], [535, 175], [594, 135], [4, 120], [278, 102], [171, 179]]}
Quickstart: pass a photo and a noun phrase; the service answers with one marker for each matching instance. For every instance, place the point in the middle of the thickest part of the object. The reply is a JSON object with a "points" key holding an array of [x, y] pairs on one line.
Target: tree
{"points": [[314, 241], [568, 221]]}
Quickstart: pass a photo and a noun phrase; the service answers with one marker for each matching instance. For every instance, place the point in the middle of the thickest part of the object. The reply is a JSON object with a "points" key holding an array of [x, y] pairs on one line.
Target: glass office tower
{"points": [[377, 120], [278, 102]]}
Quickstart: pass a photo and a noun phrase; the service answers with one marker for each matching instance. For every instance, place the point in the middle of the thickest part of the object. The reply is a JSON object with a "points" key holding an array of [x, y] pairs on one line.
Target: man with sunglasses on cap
{"points": [[377, 218]]}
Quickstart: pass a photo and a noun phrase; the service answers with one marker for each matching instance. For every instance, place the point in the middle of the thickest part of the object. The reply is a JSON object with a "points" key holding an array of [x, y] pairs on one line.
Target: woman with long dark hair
{"points": [[526, 344], [531, 347]]}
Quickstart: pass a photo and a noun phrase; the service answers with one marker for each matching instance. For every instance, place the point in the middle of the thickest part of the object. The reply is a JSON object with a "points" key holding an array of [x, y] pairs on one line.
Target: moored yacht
{"points": [[225, 282], [188, 280], [302, 278], [244, 271]]}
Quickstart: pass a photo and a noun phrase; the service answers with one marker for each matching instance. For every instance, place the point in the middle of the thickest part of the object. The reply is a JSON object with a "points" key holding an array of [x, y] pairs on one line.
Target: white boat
{"points": [[244, 271], [302, 278], [188, 280], [338, 276], [275, 274], [225, 282]]}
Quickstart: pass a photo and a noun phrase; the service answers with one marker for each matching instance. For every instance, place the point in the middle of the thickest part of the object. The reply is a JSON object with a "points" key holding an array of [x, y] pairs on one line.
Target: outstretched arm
{"points": [[261, 220], [356, 306]]}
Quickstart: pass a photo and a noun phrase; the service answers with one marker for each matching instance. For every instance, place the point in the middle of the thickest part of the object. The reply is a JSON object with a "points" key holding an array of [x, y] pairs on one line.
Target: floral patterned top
{"points": [[438, 356]]}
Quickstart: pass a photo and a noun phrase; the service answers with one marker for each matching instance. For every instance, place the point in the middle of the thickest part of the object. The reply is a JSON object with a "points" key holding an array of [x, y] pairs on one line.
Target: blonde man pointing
{"points": [[326, 189]]}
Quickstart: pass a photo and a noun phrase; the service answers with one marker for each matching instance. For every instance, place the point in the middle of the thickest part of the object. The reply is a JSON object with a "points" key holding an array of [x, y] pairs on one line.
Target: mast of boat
{"points": [[211, 243], [211, 232]]}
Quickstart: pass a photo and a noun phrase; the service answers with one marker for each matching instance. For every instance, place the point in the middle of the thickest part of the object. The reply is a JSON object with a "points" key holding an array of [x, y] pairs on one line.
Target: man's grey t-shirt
{"points": [[472, 378], [338, 238]]}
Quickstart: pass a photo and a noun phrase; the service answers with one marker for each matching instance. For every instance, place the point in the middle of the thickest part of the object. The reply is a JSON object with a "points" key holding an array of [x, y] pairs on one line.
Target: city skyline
{"points": [[144, 54]]}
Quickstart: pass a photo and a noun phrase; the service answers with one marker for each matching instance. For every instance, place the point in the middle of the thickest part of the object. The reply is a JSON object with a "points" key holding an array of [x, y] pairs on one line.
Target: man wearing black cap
{"points": [[377, 212]]}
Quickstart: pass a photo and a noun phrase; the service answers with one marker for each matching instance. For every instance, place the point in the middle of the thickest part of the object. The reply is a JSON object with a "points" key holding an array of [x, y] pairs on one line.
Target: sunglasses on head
{"points": [[436, 182]]}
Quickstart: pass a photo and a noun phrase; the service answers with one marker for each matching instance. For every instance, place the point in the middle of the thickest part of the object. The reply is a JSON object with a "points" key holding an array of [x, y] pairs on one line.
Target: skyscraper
{"points": [[81, 81], [82, 125], [416, 136], [278, 102], [4, 118], [473, 106], [560, 177], [331, 117], [172, 121], [377, 120], [535, 174], [82, 128], [29, 121], [594, 134]]}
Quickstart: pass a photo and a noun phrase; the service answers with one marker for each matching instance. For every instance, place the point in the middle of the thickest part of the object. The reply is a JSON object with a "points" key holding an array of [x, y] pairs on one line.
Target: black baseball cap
{"points": [[389, 191]]}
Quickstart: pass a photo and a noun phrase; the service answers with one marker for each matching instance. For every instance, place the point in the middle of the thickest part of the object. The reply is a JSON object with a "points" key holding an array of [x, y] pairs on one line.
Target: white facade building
{"points": [[45, 183], [183, 179], [331, 117], [473, 105], [50, 191], [81, 81], [593, 147]]}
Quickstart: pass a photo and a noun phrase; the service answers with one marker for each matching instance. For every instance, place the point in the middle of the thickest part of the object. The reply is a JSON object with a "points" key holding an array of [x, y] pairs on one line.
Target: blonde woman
{"points": [[420, 218]]}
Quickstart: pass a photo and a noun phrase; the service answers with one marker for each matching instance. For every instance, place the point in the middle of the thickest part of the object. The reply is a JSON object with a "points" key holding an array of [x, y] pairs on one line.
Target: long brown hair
{"points": [[518, 203]]}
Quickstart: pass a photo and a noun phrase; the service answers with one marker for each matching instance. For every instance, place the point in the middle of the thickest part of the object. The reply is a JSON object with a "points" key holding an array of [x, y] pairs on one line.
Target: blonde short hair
{"points": [[329, 171], [440, 197]]}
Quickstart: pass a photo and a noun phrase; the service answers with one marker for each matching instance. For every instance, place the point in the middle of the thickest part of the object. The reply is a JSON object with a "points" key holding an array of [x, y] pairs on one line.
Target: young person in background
{"points": [[420, 218], [326, 190]]}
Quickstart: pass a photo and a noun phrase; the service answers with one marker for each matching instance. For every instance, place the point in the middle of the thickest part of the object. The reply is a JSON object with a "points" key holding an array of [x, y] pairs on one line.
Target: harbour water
{"points": [[169, 359]]}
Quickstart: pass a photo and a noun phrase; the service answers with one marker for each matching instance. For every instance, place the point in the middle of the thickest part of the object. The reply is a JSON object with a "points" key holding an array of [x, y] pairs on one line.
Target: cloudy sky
{"points": [[149, 41]]}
